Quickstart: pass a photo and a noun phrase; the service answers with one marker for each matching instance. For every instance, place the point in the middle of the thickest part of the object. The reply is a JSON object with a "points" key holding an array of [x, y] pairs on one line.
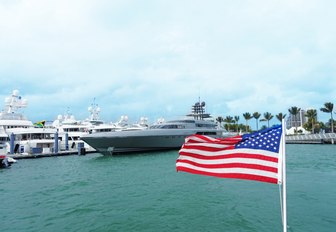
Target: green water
{"points": [[143, 192]]}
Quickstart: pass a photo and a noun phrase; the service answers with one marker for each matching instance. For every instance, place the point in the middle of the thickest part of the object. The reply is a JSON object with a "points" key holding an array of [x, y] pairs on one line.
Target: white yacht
{"points": [[95, 124], [160, 136], [22, 136], [121, 125], [67, 125]]}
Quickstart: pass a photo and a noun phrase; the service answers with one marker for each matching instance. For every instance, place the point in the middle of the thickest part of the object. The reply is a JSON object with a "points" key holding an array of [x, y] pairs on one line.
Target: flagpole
{"points": [[284, 187]]}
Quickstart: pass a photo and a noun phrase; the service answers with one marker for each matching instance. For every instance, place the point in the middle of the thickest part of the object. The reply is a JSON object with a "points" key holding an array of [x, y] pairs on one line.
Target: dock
{"points": [[49, 154], [329, 138]]}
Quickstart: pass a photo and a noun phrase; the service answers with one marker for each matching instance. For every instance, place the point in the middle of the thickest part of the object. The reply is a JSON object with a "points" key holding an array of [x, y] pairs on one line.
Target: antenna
{"points": [[94, 111]]}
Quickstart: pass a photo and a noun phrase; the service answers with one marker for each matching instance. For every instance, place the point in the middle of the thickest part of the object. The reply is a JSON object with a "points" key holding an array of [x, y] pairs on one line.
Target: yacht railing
{"points": [[6, 116]]}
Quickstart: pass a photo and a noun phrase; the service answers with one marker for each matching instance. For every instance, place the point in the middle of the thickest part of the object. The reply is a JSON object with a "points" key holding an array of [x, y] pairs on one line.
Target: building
{"points": [[296, 121]]}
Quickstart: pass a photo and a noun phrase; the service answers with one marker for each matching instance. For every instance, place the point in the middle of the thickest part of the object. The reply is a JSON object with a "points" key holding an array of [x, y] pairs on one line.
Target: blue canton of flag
{"points": [[268, 139]]}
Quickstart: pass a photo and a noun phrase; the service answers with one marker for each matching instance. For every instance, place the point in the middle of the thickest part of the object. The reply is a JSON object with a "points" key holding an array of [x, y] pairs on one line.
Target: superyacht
{"points": [[165, 135]]}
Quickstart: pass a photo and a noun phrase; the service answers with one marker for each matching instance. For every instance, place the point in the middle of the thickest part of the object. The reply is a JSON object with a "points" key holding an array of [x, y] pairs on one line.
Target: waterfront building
{"points": [[297, 121]]}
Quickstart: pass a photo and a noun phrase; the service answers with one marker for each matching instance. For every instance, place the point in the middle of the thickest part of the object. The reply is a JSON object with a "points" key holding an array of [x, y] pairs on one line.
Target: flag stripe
{"points": [[252, 161], [208, 147], [244, 176], [229, 170], [220, 155], [231, 165], [205, 139]]}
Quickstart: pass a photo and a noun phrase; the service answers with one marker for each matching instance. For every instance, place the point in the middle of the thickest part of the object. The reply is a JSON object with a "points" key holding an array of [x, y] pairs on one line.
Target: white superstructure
{"points": [[23, 137]]}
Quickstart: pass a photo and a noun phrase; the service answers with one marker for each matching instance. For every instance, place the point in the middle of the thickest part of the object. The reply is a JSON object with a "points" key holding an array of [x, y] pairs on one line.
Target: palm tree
{"points": [[294, 111], [236, 118], [228, 120], [311, 115], [268, 116], [247, 117], [256, 115], [220, 119], [328, 108], [280, 116]]}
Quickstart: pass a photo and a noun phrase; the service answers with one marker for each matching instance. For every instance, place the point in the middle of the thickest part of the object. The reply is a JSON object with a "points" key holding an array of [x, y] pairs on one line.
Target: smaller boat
{"points": [[6, 162]]}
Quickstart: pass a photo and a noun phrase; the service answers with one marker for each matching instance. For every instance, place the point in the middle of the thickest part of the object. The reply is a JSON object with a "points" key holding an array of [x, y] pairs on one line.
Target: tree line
{"points": [[231, 123]]}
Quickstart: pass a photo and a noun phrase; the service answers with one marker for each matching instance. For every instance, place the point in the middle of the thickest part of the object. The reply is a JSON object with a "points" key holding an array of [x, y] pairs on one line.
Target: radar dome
{"points": [[7, 100], [24, 102], [16, 93], [124, 118]]}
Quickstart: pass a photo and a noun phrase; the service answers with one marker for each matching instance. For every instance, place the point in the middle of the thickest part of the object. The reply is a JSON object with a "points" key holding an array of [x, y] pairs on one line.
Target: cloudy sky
{"points": [[155, 58]]}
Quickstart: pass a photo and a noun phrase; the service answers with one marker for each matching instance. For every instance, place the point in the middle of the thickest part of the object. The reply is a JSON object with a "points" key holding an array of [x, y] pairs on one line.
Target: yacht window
{"points": [[36, 136], [206, 133]]}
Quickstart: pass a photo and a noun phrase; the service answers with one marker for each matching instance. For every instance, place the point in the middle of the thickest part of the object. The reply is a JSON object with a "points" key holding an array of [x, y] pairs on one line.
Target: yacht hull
{"points": [[142, 140]]}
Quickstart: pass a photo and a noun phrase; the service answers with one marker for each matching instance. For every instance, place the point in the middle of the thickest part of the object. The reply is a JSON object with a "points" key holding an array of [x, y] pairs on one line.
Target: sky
{"points": [[156, 58]]}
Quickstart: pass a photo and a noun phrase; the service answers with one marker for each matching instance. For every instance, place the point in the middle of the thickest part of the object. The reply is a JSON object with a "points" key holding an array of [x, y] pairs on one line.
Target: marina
{"points": [[20, 138]]}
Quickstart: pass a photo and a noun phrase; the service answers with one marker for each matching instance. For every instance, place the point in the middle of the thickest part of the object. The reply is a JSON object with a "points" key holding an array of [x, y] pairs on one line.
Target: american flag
{"points": [[255, 156]]}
